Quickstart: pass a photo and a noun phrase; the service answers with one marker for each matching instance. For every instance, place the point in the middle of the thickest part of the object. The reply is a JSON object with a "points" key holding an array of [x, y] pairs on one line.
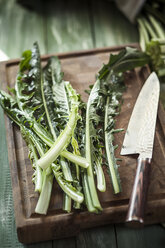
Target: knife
{"points": [[139, 139]]}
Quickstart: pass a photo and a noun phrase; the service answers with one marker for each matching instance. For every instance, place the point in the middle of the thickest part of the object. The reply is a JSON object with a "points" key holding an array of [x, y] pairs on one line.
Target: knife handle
{"points": [[138, 198]]}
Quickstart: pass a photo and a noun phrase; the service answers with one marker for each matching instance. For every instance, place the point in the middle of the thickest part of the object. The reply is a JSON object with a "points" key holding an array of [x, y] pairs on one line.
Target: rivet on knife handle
{"points": [[138, 198]]}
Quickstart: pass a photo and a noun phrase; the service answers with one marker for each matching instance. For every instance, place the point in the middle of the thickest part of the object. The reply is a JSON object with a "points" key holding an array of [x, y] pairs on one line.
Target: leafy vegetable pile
{"points": [[151, 25], [68, 139]]}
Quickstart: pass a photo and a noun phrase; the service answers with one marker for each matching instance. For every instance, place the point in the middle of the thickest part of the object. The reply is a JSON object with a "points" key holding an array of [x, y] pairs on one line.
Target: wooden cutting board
{"points": [[80, 69]]}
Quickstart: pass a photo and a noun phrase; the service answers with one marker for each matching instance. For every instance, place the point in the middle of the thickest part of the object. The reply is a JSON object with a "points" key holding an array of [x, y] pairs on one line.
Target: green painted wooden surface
{"points": [[7, 222], [150, 236], [110, 26], [61, 26], [97, 237], [68, 21], [19, 28]]}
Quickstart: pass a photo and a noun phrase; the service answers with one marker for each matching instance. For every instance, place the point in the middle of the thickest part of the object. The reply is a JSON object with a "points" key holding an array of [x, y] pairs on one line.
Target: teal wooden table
{"points": [[61, 26]]}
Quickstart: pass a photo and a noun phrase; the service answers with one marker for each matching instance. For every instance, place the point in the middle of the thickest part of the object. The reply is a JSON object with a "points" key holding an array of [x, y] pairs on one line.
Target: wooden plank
{"points": [[148, 237], [68, 26], [67, 242], [7, 222], [110, 26], [97, 237], [8, 236], [38, 245], [20, 28]]}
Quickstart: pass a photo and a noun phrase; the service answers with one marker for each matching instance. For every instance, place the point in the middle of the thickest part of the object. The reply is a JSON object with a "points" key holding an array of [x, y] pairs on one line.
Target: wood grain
{"points": [[138, 197], [147, 237], [16, 21], [6, 199], [80, 68], [110, 27], [97, 237], [68, 27]]}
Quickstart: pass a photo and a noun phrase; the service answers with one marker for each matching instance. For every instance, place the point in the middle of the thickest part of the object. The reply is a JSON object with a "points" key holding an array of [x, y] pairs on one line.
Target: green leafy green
{"points": [[28, 110], [102, 107], [52, 76], [156, 50], [128, 59], [59, 128], [152, 35], [65, 136]]}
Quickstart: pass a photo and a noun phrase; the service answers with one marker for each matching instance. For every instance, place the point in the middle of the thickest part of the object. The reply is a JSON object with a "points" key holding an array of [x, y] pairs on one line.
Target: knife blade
{"points": [[139, 139]]}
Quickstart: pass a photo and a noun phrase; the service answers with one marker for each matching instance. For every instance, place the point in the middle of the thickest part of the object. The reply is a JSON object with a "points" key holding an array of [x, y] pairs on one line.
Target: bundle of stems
{"points": [[69, 140], [151, 26]]}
